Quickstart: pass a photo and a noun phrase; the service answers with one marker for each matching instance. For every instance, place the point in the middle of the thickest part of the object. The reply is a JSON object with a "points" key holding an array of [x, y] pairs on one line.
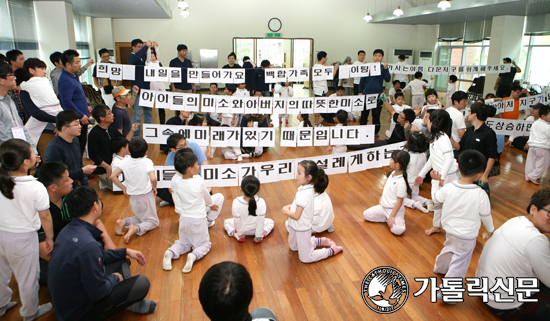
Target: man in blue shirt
{"points": [[181, 62], [176, 142], [138, 57], [374, 85], [71, 94], [85, 281]]}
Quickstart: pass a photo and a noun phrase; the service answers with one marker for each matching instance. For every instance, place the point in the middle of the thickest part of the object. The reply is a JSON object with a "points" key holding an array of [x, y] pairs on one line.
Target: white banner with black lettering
{"points": [[510, 127]]}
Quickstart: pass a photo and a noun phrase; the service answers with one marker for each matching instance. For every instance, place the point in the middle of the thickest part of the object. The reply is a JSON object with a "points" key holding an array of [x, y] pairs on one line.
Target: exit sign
{"points": [[273, 35]]}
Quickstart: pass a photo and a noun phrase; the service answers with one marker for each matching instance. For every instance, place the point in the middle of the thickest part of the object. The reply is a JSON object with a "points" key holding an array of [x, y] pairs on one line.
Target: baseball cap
{"points": [[538, 106], [119, 91]]}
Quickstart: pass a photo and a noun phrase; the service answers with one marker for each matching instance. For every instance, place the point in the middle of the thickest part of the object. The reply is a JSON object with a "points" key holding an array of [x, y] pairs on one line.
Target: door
{"points": [[123, 49]]}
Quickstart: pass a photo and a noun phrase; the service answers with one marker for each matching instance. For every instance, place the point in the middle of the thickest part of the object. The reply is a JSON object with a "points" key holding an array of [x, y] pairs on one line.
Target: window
{"points": [[18, 27], [82, 36], [534, 60]]}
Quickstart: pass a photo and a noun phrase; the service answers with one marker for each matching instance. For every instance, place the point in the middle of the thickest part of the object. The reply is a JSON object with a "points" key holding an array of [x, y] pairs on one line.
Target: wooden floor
{"points": [[326, 290]]}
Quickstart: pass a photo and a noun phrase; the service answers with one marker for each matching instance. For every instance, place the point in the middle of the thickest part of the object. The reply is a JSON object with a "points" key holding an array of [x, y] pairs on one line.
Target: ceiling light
{"points": [[185, 14], [398, 12], [444, 4], [367, 18], [183, 5]]}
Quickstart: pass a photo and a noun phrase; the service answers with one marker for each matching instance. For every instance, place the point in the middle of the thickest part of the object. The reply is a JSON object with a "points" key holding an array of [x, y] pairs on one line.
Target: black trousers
{"points": [[375, 116], [530, 310], [162, 115], [355, 89], [503, 91], [165, 195], [131, 290]]}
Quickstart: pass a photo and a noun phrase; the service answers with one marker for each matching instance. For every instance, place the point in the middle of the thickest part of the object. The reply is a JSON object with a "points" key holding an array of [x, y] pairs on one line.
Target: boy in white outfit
{"points": [[141, 186], [417, 90], [465, 206], [538, 156], [197, 211]]}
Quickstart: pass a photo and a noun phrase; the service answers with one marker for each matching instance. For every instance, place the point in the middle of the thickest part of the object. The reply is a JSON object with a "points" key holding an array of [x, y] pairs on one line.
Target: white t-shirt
{"points": [[418, 160], [305, 199], [320, 87], [395, 187], [20, 214], [245, 222], [540, 134], [356, 80], [464, 208], [391, 94], [190, 196], [241, 93], [517, 249], [324, 212], [286, 91], [401, 77], [441, 158], [417, 87], [136, 174], [458, 122]]}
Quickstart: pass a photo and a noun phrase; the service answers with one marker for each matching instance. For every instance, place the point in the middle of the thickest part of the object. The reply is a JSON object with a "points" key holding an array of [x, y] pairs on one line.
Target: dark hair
{"points": [[51, 173], [490, 95], [136, 42], [2, 58], [321, 55], [232, 54], [5, 70], [417, 75], [265, 63], [307, 122], [81, 201], [252, 119], [342, 117], [184, 160], [257, 90], [119, 143], [232, 88], [453, 78], [197, 120], [396, 82], [137, 147], [540, 199], [516, 87], [380, 51], [507, 59], [480, 100], [310, 168], [471, 162], [102, 51], [181, 47], [340, 88], [173, 140], [543, 110], [108, 89], [68, 56], [99, 110], [403, 158], [12, 55], [402, 57], [245, 58], [483, 111], [441, 123], [33, 63], [409, 115], [225, 292], [360, 52], [65, 118], [322, 184], [458, 96], [250, 186], [417, 143], [13, 153], [55, 57], [431, 92], [20, 76], [399, 94]]}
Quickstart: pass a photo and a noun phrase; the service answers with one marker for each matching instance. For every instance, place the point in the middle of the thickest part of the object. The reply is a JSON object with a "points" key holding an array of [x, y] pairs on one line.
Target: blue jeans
{"points": [[147, 116]]}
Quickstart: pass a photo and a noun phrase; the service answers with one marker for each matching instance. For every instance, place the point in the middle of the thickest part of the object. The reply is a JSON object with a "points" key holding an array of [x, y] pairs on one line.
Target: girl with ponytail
{"points": [[25, 207], [391, 208], [249, 213]]}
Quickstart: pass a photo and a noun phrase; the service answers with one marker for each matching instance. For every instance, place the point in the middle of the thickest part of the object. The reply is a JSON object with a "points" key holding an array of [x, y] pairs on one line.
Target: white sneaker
{"points": [[189, 265], [210, 224], [163, 203], [419, 206], [167, 261], [240, 158], [430, 205]]}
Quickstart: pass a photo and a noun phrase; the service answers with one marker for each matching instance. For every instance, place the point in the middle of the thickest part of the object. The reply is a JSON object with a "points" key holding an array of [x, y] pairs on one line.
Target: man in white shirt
{"points": [[356, 80], [403, 79], [320, 87], [460, 101]]}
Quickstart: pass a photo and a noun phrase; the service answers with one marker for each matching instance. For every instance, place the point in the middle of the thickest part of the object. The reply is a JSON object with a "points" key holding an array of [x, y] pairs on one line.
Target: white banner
{"points": [[510, 127]]}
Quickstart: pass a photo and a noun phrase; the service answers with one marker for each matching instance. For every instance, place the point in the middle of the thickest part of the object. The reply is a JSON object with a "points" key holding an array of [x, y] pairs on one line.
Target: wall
{"points": [[338, 30]]}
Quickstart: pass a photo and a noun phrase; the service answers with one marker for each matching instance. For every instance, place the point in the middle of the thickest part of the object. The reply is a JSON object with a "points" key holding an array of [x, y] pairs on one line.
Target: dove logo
{"points": [[385, 289]]}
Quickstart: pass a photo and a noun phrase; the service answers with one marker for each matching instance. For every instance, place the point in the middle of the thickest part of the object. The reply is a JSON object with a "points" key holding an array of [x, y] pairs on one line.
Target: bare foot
{"points": [[432, 230], [131, 231], [120, 226]]}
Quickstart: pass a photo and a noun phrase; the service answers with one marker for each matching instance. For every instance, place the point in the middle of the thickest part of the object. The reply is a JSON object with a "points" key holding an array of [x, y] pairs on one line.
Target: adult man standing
{"points": [[138, 57], [16, 59], [503, 85], [403, 79], [64, 148], [55, 59], [181, 62], [85, 281], [356, 80], [101, 82], [71, 93], [231, 61]]}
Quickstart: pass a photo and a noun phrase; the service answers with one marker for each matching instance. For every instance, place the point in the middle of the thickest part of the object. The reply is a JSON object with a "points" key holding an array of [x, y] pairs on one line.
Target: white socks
{"points": [[189, 265], [167, 261], [43, 309]]}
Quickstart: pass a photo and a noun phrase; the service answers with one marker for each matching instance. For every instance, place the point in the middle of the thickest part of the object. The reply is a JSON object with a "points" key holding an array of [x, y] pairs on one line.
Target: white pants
{"points": [[454, 259], [281, 116], [193, 234], [380, 214], [145, 210], [439, 206], [229, 226], [35, 128], [305, 244], [538, 160], [211, 215], [227, 121], [409, 202], [232, 152], [19, 254], [339, 149], [417, 100]]}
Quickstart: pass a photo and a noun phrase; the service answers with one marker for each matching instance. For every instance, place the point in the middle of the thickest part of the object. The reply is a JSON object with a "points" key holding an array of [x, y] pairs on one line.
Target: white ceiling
{"points": [[122, 9]]}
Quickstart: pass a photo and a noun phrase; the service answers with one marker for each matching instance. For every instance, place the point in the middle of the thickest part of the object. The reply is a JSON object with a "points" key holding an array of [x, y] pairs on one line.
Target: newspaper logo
{"points": [[385, 289]]}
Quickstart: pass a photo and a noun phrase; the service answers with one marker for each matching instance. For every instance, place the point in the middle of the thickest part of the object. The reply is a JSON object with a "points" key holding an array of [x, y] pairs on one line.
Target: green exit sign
{"points": [[273, 35]]}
